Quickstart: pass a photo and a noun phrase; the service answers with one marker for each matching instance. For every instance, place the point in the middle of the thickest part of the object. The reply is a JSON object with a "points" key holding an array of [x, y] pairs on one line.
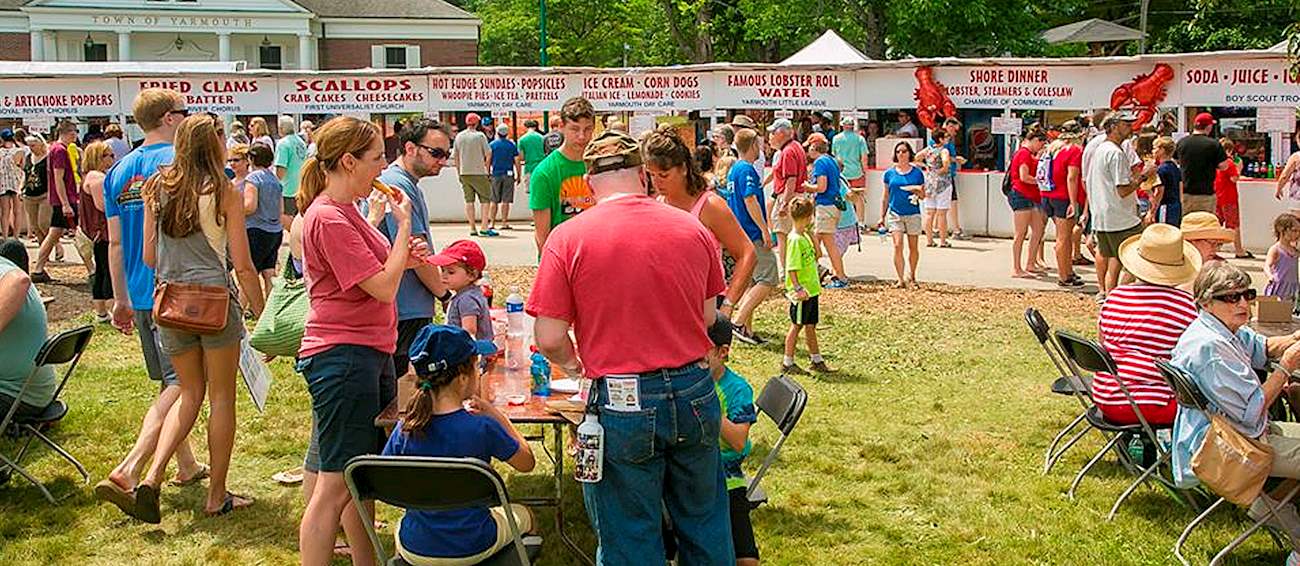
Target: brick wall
{"points": [[355, 53], [17, 47]]}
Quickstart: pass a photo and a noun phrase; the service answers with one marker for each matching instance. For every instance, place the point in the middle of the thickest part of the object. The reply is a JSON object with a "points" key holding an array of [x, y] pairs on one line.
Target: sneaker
{"points": [[473, 233], [821, 367], [491, 233], [1285, 519], [793, 369], [41, 277], [962, 235], [103, 318], [837, 284], [1293, 559], [747, 336]]}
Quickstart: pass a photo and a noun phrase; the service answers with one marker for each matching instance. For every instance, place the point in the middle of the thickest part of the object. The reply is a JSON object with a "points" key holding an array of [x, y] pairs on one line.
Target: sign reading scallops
{"points": [[342, 94], [58, 97], [815, 90], [648, 91], [501, 92], [219, 95]]}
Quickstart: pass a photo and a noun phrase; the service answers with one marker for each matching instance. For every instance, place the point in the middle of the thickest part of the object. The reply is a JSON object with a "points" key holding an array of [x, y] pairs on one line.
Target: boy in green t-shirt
{"points": [[736, 398], [557, 189], [802, 286]]}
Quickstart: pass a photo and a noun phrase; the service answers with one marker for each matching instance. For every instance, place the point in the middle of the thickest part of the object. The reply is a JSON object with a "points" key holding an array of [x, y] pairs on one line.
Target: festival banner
{"points": [[501, 92], [58, 97], [648, 91], [1251, 82], [353, 95], [793, 89], [219, 95]]}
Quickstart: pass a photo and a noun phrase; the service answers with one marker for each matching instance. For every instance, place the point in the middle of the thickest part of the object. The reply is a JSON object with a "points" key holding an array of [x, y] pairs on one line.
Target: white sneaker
{"points": [[1293, 559], [1285, 519]]}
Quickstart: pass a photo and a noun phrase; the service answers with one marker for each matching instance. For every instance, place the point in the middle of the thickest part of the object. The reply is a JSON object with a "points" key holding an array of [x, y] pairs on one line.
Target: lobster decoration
{"points": [[932, 100], [1144, 93]]}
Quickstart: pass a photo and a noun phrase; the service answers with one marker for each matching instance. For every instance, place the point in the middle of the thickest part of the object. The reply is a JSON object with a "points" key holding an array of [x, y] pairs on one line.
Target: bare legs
{"points": [[749, 301], [9, 215], [48, 245], [810, 336], [932, 218], [504, 209], [127, 473], [1064, 248], [914, 256], [320, 523], [490, 218], [469, 217], [832, 250]]}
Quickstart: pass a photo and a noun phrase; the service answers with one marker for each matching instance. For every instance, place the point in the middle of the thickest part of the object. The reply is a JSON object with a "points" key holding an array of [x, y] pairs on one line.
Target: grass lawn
{"points": [[925, 448]]}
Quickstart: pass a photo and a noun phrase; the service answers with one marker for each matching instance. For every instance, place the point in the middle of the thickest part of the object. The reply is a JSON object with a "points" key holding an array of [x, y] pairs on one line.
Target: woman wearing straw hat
{"points": [[1141, 322], [1202, 230]]}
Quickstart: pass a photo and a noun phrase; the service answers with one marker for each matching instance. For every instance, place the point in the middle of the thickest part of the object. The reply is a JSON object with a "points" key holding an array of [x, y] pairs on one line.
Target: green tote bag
{"points": [[279, 330]]}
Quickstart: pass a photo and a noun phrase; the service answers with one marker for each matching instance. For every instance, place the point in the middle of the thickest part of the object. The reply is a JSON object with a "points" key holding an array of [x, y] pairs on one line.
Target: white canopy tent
{"points": [[829, 49]]}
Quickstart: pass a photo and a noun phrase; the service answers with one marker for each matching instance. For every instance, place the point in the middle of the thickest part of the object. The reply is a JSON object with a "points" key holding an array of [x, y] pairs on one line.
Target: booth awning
{"points": [[829, 49], [49, 68], [1091, 30]]}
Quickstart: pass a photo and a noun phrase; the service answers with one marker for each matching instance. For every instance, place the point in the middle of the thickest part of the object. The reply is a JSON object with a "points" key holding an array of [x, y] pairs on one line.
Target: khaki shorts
{"points": [[476, 186], [909, 224], [1108, 242], [38, 211], [782, 223], [766, 271], [1199, 203], [522, 518], [826, 219]]}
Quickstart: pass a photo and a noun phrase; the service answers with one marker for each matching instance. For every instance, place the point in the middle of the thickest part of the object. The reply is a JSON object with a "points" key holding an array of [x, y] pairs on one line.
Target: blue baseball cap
{"points": [[7, 134], [440, 346]]}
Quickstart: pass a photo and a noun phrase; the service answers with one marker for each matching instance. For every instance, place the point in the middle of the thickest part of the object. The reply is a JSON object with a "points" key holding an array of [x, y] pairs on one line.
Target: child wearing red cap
{"points": [[462, 264]]}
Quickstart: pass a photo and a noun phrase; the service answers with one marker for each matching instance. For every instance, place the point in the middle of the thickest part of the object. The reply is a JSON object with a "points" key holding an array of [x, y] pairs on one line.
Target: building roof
{"points": [[829, 49], [1091, 30], [406, 9]]}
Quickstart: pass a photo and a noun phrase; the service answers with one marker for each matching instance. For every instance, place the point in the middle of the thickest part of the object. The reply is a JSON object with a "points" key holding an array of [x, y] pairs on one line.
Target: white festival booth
{"points": [[932, 88]]}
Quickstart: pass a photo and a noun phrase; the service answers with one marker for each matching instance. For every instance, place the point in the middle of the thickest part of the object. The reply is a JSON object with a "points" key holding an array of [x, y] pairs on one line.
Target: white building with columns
{"points": [[271, 34]]}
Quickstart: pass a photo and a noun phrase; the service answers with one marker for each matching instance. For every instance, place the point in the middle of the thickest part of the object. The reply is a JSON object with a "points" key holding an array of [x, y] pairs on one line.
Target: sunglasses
{"points": [[234, 160], [184, 112], [435, 152], [1232, 298]]}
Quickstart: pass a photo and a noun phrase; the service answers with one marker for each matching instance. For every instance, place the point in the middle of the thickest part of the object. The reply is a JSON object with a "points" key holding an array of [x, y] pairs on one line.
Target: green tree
{"points": [[1214, 25]]}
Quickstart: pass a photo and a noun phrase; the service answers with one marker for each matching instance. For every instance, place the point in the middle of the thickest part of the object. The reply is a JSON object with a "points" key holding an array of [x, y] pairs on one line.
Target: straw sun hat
{"points": [[1205, 226], [1159, 255]]}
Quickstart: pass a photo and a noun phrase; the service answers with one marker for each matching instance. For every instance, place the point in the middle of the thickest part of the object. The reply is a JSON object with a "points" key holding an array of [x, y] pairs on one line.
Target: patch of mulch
{"points": [[70, 291]]}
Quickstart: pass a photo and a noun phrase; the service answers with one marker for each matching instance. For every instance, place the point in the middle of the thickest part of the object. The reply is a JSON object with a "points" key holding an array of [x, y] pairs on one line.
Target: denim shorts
{"points": [[1057, 208], [157, 364], [663, 456], [1020, 202], [349, 386]]}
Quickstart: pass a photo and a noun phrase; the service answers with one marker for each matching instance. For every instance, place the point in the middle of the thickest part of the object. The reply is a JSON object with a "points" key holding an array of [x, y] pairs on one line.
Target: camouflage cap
{"points": [[610, 151]]}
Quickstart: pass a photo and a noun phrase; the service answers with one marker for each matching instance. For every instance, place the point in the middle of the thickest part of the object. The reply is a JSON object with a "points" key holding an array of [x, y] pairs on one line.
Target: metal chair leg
{"points": [[1060, 453], [1049, 457], [85, 476], [1272, 511], [1133, 486], [1187, 532], [23, 472], [1096, 458]]}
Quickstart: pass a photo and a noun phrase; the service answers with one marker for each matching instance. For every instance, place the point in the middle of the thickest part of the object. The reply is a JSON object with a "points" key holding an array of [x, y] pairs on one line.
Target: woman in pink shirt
{"points": [[351, 332]]}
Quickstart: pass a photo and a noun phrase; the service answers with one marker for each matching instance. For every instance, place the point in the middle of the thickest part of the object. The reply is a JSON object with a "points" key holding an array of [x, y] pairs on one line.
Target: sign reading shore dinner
{"points": [[648, 91], [58, 97], [338, 94], [501, 92], [219, 95], [830, 90]]}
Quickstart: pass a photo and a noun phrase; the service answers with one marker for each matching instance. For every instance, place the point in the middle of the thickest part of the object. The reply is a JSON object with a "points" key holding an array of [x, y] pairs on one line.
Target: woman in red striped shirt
{"points": [[1141, 322]]}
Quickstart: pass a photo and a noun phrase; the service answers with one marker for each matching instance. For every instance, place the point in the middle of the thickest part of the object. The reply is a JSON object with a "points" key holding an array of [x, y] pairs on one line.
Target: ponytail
{"points": [[312, 184], [419, 410]]}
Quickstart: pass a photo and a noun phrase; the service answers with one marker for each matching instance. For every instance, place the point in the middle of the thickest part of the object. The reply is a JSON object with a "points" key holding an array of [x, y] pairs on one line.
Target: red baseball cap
{"points": [[472, 118], [1203, 119], [461, 251]]}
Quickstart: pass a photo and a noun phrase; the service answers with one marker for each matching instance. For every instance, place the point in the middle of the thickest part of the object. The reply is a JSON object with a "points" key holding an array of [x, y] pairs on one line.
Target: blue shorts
{"points": [[349, 386], [1020, 202], [1057, 208]]}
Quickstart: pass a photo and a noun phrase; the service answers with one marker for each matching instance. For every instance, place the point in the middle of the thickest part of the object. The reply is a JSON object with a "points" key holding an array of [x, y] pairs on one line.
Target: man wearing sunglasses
{"points": [[424, 151]]}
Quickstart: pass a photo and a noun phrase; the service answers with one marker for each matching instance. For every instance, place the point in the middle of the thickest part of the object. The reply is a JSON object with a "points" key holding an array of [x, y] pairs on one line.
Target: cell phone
{"points": [[230, 174]]}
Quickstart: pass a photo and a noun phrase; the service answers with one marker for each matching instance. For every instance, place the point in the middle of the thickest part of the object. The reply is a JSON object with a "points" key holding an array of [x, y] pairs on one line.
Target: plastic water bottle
{"points": [[485, 283], [883, 233], [515, 312], [541, 372], [589, 466]]}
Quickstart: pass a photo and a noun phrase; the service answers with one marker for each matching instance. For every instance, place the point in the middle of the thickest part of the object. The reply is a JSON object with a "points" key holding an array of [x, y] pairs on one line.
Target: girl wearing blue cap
{"points": [[447, 418]]}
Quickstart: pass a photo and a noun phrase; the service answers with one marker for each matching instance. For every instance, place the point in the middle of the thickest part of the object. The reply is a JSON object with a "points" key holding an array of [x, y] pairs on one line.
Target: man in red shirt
{"points": [[63, 197], [638, 307], [789, 173]]}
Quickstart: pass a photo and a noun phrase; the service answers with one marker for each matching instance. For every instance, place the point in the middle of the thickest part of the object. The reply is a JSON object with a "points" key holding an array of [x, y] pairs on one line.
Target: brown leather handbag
{"points": [[201, 309]]}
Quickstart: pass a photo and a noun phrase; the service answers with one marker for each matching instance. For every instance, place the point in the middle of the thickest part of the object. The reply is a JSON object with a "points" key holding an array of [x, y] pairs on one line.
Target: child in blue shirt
{"points": [[737, 400], [446, 418]]}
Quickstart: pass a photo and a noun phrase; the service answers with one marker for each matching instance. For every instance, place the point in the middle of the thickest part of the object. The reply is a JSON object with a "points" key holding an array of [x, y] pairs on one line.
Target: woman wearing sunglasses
{"points": [[1220, 354], [900, 210]]}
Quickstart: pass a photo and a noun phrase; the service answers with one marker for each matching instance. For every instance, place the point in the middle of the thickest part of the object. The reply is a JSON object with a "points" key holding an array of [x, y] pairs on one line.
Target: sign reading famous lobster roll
{"points": [[339, 94], [220, 95], [795, 89], [501, 92]]}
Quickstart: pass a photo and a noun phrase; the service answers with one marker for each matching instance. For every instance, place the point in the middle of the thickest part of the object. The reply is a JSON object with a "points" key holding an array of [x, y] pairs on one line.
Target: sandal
{"points": [[146, 507], [109, 491], [198, 476], [230, 504], [1245, 255], [288, 477]]}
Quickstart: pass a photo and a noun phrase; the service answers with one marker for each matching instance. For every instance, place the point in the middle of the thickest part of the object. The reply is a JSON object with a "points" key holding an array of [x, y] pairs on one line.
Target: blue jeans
{"points": [[1171, 214], [665, 455]]}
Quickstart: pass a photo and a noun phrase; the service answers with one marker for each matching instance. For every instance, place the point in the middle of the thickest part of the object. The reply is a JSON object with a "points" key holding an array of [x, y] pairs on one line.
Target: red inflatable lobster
{"points": [[932, 100], [1144, 93]]}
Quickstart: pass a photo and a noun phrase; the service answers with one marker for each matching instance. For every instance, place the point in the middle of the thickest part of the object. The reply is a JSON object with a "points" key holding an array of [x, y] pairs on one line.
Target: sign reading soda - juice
{"points": [[1239, 83], [339, 94]]}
